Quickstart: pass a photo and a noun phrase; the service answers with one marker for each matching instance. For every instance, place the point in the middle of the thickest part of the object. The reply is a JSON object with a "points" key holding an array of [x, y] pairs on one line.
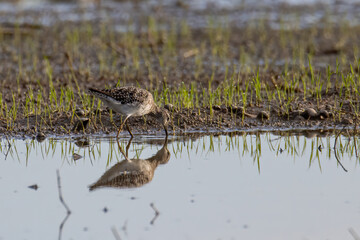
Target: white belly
{"points": [[134, 109]]}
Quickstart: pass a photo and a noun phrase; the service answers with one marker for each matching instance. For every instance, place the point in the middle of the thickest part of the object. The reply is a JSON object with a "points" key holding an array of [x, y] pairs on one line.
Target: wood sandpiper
{"points": [[132, 101]]}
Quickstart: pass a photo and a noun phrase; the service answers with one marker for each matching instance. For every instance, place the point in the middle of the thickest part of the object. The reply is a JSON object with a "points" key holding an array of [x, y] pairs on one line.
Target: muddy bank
{"points": [[186, 121], [216, 77]]}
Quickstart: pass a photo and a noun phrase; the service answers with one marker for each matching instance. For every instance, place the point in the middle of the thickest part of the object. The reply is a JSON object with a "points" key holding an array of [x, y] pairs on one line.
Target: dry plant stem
{"points": [[157, 213], [115, 233], [60, 193], [62, 225], [63, 203], [336, 156], [354, 234], [154, 208]]}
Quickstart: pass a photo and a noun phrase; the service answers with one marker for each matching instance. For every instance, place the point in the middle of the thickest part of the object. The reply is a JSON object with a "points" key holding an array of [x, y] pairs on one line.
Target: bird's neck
{"points": [[156, 109]]}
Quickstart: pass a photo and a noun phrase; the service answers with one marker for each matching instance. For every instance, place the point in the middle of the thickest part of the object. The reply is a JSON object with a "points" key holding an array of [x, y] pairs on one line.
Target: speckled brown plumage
{"points": [[124, 95], [123, 180]]}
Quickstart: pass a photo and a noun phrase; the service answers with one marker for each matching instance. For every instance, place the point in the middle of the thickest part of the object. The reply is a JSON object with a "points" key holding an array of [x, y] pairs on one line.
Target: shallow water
{"points": [[241, 187]]}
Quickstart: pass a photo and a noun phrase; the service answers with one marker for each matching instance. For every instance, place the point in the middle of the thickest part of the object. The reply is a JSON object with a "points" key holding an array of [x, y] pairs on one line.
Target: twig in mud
{"points": [[60, 193], [157, 213], [115, 233], [63, 203], [337, 158]]}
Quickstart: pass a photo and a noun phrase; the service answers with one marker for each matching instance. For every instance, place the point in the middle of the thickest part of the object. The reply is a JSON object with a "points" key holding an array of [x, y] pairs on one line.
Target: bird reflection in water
{"points": [[132, 173]]}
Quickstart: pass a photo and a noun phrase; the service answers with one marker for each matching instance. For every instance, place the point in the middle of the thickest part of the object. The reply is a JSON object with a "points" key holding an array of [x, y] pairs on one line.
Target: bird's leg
{"points": [[121, 126], [166, 131], [129, 130], [166, 141], [128, 146], [122, 150]]}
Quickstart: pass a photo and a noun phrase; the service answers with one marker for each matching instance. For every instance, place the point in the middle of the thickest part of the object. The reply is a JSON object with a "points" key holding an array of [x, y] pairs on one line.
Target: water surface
{"points": [[242, 187]]}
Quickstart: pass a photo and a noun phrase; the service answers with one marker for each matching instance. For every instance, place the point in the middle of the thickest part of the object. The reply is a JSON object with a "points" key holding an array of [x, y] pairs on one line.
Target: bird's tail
{"points": [[99, 93]]}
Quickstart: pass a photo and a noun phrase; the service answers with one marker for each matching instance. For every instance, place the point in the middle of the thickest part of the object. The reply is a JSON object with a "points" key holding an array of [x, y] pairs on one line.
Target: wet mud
{"points": [[186, 121]]}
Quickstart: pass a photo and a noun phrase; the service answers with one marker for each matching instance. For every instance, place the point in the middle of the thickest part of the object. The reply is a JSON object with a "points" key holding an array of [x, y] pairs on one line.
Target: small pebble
{"points": [[236, 110], [320, 148], [323, 114], [35, 187], [80, 112], [170, 108], [347, 121], [80, 124], [216, 107], [76, 156], [263, 115], [310, 134], [82, 143], [299, 118], [40, 137], [309, 113]]}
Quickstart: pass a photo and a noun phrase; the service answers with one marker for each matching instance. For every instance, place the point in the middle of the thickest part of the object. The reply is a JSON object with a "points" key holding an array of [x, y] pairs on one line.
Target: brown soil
{"points": [[325, 45]]}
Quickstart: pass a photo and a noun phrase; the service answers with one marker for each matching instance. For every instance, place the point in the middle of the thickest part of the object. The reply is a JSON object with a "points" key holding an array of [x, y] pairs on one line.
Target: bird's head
{"points": [[162, 115]]}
